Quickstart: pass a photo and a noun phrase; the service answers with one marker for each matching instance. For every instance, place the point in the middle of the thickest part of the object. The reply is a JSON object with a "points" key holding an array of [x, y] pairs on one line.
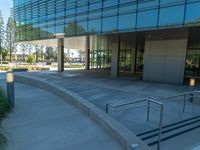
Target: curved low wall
{"points": [[121, 134]]}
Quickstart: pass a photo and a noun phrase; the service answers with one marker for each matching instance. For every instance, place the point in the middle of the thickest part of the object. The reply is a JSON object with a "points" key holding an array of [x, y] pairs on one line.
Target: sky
{"points": [[5, 6]]}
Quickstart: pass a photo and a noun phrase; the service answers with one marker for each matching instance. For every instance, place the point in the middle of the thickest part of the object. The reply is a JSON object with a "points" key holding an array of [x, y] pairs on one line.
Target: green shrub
{"points": [[30, 59], [74, 66], [4, 109], [4, 104], [5, 68], [3, 141]]}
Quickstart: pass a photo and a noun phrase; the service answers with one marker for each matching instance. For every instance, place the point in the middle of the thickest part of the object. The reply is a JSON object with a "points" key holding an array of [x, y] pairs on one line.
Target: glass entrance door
{"points": [[100, 59], [139, 61], [125, 60]]}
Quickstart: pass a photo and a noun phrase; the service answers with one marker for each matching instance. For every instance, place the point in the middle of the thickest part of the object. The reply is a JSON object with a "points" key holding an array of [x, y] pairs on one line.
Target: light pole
{"points": [[10, 88]]}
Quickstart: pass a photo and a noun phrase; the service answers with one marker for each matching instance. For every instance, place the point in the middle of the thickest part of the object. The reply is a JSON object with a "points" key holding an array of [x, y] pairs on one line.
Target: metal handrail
{"points": [[178, 95], [191, 94], [154, 100], [149, 101]]}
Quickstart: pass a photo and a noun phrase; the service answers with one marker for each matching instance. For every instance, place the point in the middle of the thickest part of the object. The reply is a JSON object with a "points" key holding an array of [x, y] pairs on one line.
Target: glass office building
{"points": [[156, 39]]}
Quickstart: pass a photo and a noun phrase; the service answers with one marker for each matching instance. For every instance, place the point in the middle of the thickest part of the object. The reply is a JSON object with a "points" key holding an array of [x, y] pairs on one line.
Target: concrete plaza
{"points": [[99, 89], [43, 121]]}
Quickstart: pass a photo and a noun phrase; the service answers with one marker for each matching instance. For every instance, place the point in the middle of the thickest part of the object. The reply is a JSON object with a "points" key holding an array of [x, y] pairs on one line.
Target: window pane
{"points": [[59, 28], [170, 1], [127, 8], [108, 3], [94, 26], [147, 19], [127, 21], [148, 4], [171, 16], [192, 13], [70, 29], [109, 24], [81, 27]]}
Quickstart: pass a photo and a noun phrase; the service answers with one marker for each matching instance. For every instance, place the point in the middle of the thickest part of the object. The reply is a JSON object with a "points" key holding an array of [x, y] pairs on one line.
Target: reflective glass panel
{"points": [[171, 16], [127, 21], [147, 19], [94, 25], [192, 13], [109, 24]]}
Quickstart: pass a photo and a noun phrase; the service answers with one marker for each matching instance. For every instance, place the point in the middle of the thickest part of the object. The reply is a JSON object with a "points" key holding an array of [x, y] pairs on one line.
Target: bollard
{"points": [[10, 88], [192, 84], [107, 108]]}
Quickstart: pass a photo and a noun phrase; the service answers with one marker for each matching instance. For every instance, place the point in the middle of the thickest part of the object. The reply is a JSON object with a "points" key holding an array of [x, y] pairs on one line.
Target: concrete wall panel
{"points": [[164, 60], [76, 42]]}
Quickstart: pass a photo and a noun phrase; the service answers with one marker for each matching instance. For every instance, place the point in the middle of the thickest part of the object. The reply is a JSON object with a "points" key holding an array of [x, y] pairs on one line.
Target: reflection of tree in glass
{"points": [[73, 28], [197, 20]]}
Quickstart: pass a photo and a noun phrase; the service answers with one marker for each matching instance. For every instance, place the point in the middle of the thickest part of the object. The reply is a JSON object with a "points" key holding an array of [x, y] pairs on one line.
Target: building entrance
{"points": [[131, 55], [100, 59]]}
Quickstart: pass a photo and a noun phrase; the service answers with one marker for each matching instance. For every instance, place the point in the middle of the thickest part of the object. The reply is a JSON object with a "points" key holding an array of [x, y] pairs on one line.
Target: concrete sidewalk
{"points": [[42, 121], [100, 89]]}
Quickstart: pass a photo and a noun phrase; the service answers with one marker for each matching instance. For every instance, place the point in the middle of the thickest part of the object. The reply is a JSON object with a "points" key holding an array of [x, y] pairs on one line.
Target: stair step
{"points": [[167, 126], [171, 128], [171, 134]]}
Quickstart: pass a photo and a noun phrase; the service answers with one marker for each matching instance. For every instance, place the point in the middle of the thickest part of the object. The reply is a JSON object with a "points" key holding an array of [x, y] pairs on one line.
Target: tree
{"points": [[81, 55], [1, 36], [70, 29], [38, 53], [24, 50], [30, 59], [50, 54], [10, 37]]}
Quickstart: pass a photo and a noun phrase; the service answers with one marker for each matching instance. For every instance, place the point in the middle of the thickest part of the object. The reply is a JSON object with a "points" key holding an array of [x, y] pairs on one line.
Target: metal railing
{"points": [[148, 101], [191, 95], [158, 101]]}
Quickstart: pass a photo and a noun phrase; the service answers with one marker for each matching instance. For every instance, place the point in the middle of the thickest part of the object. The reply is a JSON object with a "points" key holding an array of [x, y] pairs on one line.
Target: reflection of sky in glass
{"points": [[171, 15], [192, 12], [107, 19], [147, 19]]}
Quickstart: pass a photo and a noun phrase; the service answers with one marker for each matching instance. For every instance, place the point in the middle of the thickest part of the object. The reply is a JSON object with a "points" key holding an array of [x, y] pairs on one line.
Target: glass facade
{"points": [[131, 53], [42, 19], [100, 52], [192, 66]]}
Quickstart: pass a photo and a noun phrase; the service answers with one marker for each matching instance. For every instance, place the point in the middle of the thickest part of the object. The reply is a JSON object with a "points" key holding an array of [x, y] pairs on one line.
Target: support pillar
{"points": [[115, 56], [87, 54], [60, 58]]}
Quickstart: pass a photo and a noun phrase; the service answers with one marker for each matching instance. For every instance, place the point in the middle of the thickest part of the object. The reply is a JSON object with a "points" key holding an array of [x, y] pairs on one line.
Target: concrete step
{"points": [[171, 130]]}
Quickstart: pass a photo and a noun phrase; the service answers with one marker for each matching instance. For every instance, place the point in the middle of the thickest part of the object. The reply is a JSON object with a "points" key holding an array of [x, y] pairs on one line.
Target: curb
{"points": [[120, 133]]}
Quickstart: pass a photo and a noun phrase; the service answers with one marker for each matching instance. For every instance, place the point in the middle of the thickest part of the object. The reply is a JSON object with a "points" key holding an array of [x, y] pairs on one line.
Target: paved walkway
{"points": [[42, 121], [100, 89]]}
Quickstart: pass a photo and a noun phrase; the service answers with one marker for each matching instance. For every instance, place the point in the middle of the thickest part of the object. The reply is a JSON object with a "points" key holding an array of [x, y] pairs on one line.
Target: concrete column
{"points": [[60, 58], [115, 56], [87, 54]]}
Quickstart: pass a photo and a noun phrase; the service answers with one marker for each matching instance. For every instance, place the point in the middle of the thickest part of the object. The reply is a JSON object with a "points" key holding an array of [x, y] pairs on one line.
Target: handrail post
{"points": [[107, 108], [148, 109], [191, 97], [184, 103], [160, 126]]}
